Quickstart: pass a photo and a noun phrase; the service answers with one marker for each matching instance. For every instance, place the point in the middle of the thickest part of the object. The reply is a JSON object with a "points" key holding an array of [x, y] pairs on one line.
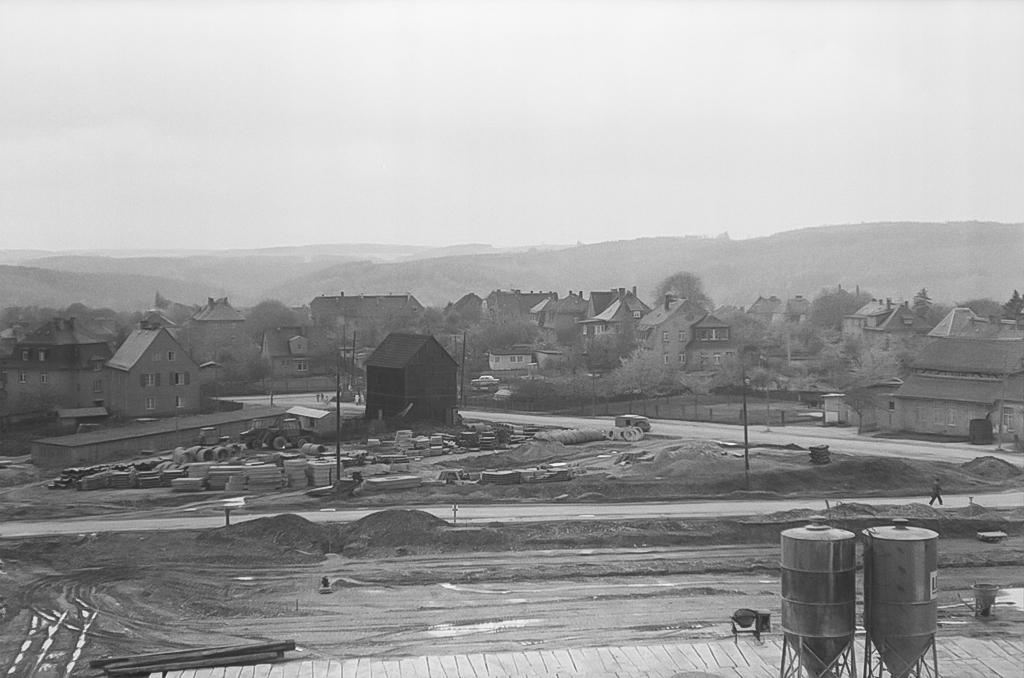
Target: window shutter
{"points": [[142, 379], [157, 378], [187, 378]]}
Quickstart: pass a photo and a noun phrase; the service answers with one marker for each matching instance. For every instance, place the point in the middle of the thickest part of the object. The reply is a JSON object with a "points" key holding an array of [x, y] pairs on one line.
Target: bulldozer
{"points": [[278, 433]]}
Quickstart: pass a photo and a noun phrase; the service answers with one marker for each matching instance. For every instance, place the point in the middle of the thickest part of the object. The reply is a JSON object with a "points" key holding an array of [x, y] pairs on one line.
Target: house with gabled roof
{"points": [[558, 318], [366, 315], [684, 334], [413, 376], [766, 310], [883, 323], [955, 381], [287, 351], [56, 364], [152, 375], [964, 322], [507, 304], [215, 328], [615, 312]]}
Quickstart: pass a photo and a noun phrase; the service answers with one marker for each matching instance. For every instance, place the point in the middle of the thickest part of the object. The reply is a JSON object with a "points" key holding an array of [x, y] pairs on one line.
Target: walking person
{"points": [[936, 493]]}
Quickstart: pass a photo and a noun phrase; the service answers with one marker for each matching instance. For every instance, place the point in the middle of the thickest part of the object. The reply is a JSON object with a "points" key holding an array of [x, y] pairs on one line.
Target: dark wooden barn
{"points": [[411, 371]]}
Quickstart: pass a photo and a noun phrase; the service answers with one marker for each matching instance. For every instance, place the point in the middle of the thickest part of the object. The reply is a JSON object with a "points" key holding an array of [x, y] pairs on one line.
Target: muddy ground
{"points": [[406, 583]]}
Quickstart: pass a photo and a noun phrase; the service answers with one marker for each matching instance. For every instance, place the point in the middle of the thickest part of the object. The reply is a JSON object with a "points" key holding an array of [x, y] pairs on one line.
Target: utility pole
{"points": [[337, 419], [462, 374], [746, 442]]}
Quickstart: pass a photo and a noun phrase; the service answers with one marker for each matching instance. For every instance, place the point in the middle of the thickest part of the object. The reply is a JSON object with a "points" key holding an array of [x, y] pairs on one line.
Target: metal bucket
{"points": [[985, 599]]}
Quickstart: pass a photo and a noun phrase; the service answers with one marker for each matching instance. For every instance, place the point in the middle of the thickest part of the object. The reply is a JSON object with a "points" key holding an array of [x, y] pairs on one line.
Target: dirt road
{"points": [[211, 514]]}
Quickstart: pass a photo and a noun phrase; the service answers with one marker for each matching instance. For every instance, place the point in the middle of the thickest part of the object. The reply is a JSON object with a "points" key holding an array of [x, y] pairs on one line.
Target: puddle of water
{"points": [[451, 630], [1011, 597]]}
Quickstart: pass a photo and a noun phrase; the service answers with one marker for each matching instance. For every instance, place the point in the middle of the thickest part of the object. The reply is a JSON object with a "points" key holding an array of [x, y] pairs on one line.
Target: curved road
{"points": [[211, 515]]}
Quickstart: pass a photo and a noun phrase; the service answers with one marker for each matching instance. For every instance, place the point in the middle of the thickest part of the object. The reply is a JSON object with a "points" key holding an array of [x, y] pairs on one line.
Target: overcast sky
{"points": [[251, 124]]}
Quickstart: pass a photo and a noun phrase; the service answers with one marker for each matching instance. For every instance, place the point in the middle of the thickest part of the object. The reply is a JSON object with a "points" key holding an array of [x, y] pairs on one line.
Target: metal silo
{"points": [[818, 601], [900, 612]]}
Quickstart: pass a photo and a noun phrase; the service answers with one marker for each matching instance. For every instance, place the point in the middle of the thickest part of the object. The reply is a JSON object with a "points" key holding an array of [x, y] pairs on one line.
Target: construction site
{"points": [[502, 548]]}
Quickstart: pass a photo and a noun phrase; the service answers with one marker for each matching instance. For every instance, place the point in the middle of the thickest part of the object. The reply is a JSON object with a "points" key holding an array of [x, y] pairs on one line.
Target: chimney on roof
{"points": [[622, 292], [668, 300], [634, 290]]}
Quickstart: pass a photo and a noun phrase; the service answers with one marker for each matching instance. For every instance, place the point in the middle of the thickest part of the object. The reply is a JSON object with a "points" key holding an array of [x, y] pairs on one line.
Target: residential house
{"points": [[955, 381], [365, 315], [468, 307], [684, 334], [963, 322], [883, 324], [798, 309], [413, 376], [286, 350], [55, 365], [513, 304], [515, 361], [558, 318], [767, 310], [152, 375], [215, 328], [612, 313]]}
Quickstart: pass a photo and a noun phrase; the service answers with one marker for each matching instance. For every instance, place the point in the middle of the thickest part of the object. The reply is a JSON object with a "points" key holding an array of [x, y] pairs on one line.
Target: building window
{"points": [[951, 419], [716, 359], [665, 357], [157, 356], [682, 335], [892, 404], [97, 386], [181, 378], [44, 377], [170, 356], [150, 379], [26, 356], [150, 403], [97, 365], [301, 366], [42, 355], [664, 336], [1008, 419], [22, 376], [637, 315], [682, 358], [179, 401], [937, 416]]}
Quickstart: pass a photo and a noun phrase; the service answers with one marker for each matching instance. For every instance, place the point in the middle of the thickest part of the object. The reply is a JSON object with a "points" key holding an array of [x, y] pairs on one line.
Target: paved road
{"points": [[211, 514]]}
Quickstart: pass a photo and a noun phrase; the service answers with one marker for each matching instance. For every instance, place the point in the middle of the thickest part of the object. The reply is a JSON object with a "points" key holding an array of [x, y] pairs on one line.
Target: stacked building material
{"points": [[295, 472], [320, 473], [469, 440], [373, 442], [148, 479], [488, 441], [820, 454], [217, 477], [169, 474], [193, 661], [436, 445], [94, 481], [236, 483], [387, 483], [199, 469], [119, 480], [403, 439], [263, 477], [500, 478], [188, 484]]}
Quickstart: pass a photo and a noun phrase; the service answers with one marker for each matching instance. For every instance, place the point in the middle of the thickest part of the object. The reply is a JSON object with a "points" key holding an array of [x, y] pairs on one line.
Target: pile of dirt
{"points": [[528, 454], [394, 527], [991, 468], [288, 531]]}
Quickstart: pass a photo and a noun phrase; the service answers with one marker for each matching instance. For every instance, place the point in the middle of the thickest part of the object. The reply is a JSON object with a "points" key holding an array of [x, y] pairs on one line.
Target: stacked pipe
{"points": [[571, 436]]}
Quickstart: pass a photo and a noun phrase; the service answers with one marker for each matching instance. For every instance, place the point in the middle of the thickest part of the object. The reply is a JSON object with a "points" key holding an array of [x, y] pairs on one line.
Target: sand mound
{"points": [[395, 527], [530, 453], [287, 530], [991, 468]]}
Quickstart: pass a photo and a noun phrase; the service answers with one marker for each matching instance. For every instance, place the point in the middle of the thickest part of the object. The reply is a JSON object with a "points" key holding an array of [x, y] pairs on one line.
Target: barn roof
{"points": [[398, 349]]}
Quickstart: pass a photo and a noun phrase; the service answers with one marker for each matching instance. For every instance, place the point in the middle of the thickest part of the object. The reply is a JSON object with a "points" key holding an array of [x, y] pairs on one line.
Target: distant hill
{"points": [[954, 261]]}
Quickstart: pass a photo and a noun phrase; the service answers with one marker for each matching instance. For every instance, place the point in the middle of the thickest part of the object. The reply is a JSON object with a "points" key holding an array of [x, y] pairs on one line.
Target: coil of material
{"points": [[819, 598], [900, 588]]}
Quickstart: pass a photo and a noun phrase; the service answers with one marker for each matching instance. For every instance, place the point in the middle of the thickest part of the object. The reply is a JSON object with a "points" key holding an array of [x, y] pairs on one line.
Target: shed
{"points": [[322, 421], [411, 374]]}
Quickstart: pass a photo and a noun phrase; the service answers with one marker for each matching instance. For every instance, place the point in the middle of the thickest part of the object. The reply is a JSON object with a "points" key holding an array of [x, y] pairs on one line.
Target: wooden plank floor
{"points": [[959, 657]]}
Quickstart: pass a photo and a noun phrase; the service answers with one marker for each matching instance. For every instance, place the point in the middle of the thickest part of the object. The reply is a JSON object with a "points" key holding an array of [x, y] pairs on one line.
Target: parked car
{"points": [[485, 382]]}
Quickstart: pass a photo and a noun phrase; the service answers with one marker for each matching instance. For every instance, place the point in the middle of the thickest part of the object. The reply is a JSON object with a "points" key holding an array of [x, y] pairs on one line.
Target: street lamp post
{"points": [[746, 441]]}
